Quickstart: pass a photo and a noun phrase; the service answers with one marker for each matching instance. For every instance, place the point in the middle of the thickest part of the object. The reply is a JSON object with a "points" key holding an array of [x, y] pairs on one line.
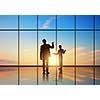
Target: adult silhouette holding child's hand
{"points": [[45, 54]]}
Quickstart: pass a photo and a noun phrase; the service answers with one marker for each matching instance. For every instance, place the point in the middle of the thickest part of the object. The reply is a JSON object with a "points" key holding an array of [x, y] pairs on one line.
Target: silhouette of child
{"points": [[60, 53]]}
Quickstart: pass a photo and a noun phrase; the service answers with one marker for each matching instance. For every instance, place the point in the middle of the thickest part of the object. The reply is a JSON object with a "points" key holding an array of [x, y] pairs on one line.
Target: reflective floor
{"points": [[66, 76], [84, 75], [34, 76], [8, 76]]}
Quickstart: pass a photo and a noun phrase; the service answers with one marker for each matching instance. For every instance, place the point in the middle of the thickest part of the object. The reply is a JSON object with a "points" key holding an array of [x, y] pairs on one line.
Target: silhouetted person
{"points": [[45, 54], [60, 53]]}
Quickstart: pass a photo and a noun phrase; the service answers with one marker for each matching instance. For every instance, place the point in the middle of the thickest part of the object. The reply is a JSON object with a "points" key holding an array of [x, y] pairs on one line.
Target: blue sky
{"points": [[8, 47], [97, 37], [28, 22], [84, 39], [8, 40], [65, 22], [28, 47], [97, 20], [84, 22], [8, 21]]}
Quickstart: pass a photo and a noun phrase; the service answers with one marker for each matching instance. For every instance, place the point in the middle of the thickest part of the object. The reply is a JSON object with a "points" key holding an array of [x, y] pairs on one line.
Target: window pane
{"points": [[50, 37], [66, 77], [28, 21], [84, 75], [66, 39], [28, 75], [97, 22], [97, 52], [97, 75], [28, 48], [8, 48], [84, 50], [8, 76], [8, 22], [65, 22], [84, 22], [47, 22]]}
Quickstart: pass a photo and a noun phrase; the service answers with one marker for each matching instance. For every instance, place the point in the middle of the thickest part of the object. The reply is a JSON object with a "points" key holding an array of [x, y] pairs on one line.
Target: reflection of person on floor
{"points": [[45, 77], [45, 54], [60, 75], [60, 53]]}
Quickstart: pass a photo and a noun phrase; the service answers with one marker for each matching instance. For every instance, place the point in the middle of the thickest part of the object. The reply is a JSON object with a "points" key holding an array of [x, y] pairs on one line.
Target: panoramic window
{"points": [[50, 49]]}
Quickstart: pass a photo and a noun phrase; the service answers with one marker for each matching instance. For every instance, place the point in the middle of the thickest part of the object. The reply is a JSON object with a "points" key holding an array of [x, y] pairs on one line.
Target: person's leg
{"points": [[61, 66], [60, 63], [47, 67], [43, 66]]}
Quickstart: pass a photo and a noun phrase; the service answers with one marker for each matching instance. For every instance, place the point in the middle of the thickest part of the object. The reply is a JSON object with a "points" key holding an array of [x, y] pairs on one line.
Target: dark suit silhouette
{"points": [[45, 54]]}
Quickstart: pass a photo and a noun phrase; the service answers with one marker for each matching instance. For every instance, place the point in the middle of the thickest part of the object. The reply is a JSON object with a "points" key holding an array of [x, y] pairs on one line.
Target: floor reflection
{"points": [[66, 76], [84, 75], [28, 75], [60, 74], [97, 75], [47, 79], [8, 76]]}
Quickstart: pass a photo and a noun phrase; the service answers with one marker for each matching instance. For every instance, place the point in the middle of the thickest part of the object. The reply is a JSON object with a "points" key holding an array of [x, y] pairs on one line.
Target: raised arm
{"points": [[52, 46], [55, 53], [64, 51]]}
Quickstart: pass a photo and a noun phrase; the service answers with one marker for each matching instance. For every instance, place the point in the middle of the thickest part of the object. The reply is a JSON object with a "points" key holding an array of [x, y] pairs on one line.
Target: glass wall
{"points": [[21, 38]]}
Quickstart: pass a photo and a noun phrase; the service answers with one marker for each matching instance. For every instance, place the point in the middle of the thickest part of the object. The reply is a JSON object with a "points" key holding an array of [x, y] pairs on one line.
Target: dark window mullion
{"points": [[56, 49], [94, 50], [75, 47], [18, 50], [37, 50]]}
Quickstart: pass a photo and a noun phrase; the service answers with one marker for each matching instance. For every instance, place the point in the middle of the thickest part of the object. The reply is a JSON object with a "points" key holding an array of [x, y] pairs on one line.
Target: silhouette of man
{"points": [[45, 54], [60, 53]]}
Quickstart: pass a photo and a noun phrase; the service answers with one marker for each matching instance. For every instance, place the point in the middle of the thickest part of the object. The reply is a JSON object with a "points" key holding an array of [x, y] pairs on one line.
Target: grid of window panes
{"points": [[20, 40]]}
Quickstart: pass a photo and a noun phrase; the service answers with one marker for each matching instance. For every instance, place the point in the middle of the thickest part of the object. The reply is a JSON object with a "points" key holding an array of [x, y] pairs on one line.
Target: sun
{"points": [[53, 60]]}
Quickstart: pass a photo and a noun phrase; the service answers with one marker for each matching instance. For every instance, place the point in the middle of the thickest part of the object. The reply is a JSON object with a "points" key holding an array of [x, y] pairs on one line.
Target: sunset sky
{"points": [[28, 39]]}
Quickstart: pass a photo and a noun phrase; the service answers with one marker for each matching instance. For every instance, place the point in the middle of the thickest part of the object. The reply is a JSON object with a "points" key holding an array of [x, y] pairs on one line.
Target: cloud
{"points": [[6, 59], [3, 56], [82, 56], [87, 57], [47, 23], [97, 52]]}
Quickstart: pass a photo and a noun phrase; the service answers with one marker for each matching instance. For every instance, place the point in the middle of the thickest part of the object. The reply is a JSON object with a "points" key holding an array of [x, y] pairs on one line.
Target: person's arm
{"points": [[52, 46], [64, 51], [55, 53]]}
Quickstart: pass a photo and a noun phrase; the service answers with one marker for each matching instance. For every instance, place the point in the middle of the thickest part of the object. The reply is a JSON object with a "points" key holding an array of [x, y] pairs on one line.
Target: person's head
{"points": [[60, 46], [44, 41]]}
